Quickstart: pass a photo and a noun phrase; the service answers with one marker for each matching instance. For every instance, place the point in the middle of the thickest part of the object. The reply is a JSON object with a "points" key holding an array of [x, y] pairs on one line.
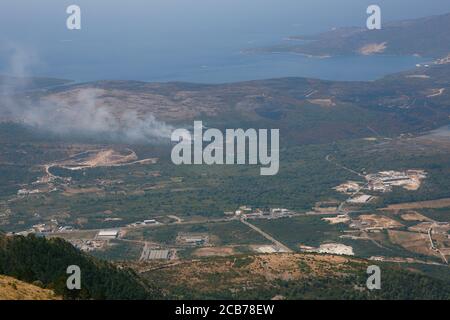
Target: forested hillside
{"points": [[44, 262]]}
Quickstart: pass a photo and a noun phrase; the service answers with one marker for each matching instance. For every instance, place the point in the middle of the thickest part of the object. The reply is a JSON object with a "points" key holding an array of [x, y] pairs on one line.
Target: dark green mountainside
{"points": [[44, 262]]}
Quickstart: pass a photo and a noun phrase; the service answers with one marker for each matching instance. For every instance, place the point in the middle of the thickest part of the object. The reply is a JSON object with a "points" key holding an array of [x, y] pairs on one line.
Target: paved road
{"points": [[267, 236], [328, 158]]}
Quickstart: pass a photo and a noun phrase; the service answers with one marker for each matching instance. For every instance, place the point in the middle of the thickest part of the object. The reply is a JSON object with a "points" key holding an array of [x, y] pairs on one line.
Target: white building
{"points": [[108, 234]]}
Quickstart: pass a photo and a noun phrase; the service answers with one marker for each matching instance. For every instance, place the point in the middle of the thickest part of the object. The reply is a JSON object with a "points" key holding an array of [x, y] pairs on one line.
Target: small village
{"points": [[379, 183]]}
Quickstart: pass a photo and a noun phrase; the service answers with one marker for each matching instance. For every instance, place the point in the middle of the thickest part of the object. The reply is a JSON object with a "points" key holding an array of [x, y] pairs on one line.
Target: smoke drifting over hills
{"points": [[85, 115]]}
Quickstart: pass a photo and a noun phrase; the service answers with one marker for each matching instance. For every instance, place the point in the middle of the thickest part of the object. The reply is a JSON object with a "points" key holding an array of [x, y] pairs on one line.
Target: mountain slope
{"points": [[292, 276], [13, 289], [37, 259]]}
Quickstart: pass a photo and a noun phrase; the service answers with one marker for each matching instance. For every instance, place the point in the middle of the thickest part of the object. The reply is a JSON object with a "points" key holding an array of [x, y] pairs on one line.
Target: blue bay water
{"points": [[189, 40]]}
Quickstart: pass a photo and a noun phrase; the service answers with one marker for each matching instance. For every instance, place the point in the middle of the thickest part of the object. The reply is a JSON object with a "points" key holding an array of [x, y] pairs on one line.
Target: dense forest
{"points": [[44, 263]]}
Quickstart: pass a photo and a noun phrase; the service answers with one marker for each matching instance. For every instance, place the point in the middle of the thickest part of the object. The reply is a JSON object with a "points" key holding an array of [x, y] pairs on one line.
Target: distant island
{"points": [[426, 37]]}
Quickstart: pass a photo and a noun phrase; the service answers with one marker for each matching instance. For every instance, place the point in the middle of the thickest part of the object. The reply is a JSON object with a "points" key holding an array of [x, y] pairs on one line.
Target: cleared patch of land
{"points": [[412, 241], [374, 221], [414, 216], [373, 48], [214, 251], [322, 102], [436, 92], [330, 248]]}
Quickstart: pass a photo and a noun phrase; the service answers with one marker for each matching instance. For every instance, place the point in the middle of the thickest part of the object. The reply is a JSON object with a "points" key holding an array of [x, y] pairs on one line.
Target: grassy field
{"points": [[220, 234], [305, 230], [439, 214], [119, 251]]}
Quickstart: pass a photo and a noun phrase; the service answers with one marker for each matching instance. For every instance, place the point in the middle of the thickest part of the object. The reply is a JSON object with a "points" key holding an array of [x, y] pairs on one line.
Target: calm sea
{"points": [[189, 40]]}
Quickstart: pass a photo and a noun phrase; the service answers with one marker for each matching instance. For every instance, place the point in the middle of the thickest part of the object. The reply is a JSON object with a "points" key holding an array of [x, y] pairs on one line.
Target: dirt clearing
{"points": [[214, 252], [414, 216]]}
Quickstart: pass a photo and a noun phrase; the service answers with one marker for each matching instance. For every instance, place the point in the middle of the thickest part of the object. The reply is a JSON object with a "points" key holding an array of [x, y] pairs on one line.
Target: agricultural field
{"points": [[119, 250]]}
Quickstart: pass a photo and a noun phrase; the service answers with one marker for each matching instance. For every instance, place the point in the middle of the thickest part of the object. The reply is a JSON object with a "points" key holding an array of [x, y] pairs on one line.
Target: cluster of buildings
{"points": [[88, 245], [44, 184], [51, 227], [384, 181], [192, 239], [148, 222], [246, 212], [45, 228], [348, 187], [100, 241]]}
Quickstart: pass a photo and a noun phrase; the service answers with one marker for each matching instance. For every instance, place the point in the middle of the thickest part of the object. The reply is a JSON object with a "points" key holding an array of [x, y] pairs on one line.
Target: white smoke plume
{"points": [[83, 116], [86, 116]]}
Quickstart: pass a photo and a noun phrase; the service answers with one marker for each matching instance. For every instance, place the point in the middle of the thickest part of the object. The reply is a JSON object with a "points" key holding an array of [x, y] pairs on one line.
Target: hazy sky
{"points": [[22, 18], [162, 32]]}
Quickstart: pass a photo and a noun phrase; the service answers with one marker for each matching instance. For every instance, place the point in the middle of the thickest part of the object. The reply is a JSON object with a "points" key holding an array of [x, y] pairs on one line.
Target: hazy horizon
{"points": [[194, 40]]}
